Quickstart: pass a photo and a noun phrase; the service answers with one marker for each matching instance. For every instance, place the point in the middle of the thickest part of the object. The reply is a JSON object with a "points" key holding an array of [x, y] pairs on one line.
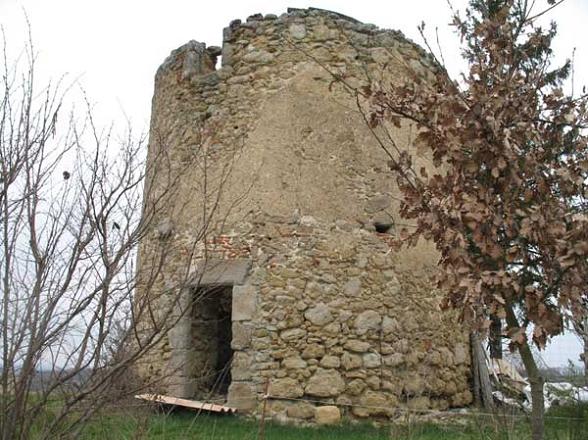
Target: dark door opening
{"points": [[212, 335]]}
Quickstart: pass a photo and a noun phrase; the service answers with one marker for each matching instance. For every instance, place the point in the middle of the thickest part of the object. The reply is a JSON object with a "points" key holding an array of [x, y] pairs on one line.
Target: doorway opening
{"points": [[212, 334]]}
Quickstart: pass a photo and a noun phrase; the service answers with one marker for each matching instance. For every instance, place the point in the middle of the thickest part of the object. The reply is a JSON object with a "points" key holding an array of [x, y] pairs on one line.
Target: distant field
{"points": [[570, 423]]}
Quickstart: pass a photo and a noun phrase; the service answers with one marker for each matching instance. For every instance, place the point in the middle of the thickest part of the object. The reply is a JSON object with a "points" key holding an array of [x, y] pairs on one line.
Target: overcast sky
{"points": [[114, 47]]}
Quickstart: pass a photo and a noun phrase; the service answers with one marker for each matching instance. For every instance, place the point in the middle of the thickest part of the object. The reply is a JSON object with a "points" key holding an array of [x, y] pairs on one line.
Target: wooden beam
{"points": [[186, 403]]}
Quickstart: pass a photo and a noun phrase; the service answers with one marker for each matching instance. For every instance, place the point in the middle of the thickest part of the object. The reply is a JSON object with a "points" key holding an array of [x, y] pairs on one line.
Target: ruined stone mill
{"points": [[277, 235]]}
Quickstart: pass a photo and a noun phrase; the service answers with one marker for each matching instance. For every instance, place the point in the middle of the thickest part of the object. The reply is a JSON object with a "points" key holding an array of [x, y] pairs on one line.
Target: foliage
{"points": [[511, 160], [505, 200]]}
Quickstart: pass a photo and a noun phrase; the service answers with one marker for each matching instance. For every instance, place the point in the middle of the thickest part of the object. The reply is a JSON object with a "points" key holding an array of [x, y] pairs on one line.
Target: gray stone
{"points": [[389, 325], [372, 360], [366, 321], [241, 366], [325, 383], [319, 315], [352, 287], [258, 57], [244, 303], [241, 333], [214, 272], [297, 31]]}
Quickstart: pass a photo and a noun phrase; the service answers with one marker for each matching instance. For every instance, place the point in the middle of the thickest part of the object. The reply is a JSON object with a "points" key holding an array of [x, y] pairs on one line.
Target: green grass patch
{"points": [[563, 423]]}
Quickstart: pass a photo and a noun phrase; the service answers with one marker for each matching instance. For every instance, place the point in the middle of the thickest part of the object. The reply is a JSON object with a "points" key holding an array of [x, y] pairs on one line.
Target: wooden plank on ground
{"points": [[186, 403]]}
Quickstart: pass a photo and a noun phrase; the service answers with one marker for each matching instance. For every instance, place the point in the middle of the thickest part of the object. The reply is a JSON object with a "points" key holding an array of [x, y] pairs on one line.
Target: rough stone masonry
{"points": [[276, 239]]}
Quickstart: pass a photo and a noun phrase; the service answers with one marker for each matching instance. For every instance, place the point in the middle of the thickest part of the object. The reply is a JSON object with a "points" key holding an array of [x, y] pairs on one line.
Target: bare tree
{"points": [[71, 203]]}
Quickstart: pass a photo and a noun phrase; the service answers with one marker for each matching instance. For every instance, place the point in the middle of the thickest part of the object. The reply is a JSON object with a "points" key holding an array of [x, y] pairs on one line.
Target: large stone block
{"points": [[244, 303], [325, 383], [214, 272], [286, 387], [327, 415], [242, 395]]}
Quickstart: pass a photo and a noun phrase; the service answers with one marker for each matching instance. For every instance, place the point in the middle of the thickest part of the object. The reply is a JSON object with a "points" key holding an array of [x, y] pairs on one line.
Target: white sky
{"points": [[114, 47]]}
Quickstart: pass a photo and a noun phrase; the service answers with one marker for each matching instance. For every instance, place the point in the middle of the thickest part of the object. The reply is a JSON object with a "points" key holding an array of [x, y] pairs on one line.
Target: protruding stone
{"points": [[325, 383], [327, 415]]}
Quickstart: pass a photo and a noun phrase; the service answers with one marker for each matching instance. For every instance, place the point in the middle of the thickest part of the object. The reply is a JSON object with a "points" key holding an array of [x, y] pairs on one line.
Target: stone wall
{"points": [[281, 186]]}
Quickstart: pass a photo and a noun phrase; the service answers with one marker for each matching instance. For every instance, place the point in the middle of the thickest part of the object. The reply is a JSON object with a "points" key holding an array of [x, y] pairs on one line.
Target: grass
{"points": [[563, 423]]}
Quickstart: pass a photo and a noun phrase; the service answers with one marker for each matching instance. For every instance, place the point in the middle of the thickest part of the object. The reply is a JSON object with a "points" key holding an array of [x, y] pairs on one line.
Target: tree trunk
{"points": [[585, 359], [482, 378], [495, 338], [535, 380]]}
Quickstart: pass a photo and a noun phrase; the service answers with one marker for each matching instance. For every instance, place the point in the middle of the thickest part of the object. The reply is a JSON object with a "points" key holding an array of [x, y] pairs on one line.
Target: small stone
{"points": [[327, 415], [330, 362], [389, 325], [366, 321], [313, 351], [293, 334], [294, 362], [352, 287], [394, 360], [351, 361], [319, 315], [357, 346], [372, 360], [461, 354], [355, 387]]}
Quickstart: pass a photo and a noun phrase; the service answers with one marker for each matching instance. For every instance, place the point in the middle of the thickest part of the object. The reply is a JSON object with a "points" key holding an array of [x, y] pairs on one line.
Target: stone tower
{"points": [[277, 235]]}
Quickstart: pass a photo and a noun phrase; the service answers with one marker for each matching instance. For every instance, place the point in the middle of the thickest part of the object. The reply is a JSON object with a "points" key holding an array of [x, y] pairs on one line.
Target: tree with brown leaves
{"points": [[511, 155]]}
